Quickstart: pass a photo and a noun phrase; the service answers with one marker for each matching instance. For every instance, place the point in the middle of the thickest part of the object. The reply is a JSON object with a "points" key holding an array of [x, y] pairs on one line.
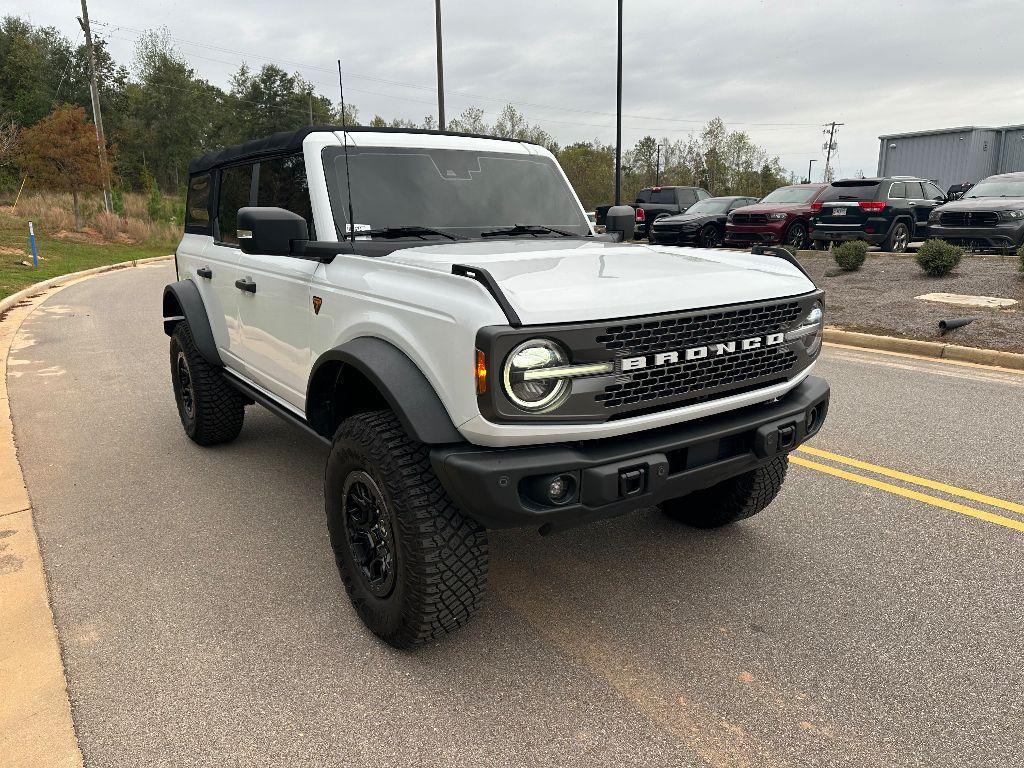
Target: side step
{"points": [[273, 406]]}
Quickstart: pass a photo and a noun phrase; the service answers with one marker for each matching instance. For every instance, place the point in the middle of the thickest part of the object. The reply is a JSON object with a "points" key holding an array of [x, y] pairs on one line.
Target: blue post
{"points": [[32, 244]]}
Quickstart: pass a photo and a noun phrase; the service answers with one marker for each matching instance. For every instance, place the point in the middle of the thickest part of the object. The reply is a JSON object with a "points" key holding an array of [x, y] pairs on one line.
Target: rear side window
{"points": [[859, 190], [686, 196], [282, 184], [197, 205], [914, 190], [897, 191], [235, 189], [664, 196]]}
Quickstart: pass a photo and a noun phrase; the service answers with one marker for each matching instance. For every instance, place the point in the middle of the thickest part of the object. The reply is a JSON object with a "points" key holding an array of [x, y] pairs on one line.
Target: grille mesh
{"points": [[697, 330], [694, 377], [969, 218], [750, 218]]}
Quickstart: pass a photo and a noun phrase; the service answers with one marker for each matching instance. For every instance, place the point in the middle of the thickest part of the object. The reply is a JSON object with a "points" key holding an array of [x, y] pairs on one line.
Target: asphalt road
{"points": [[202, 620]]}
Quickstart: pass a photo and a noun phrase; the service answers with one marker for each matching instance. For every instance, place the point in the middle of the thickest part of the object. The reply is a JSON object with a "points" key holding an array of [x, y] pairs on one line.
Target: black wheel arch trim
{"points": [[400, 381], [182, 301]]}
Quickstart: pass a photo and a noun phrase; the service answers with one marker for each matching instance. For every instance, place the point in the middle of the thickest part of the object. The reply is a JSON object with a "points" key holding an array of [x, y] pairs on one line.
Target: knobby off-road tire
{"points": [[414, 566], [210, 410], [734, 499]]}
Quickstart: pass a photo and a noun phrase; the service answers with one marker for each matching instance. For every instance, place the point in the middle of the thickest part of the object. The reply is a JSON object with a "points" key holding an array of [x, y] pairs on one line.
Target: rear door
{"points": [[276, 312]]}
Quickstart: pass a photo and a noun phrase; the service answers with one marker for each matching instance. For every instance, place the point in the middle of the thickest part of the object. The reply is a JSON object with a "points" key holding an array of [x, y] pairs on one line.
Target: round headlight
{"points": [[810, 329], [523, 375]]}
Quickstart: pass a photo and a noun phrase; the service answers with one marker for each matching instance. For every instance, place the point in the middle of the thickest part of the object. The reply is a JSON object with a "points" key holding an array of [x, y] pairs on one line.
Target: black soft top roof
{"points": [[285, 142]]}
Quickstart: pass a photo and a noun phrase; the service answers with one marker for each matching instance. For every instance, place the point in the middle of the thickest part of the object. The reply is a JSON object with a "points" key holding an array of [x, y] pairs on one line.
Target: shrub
{"points": [[849, 256], [1020, 257], [938, 258]]}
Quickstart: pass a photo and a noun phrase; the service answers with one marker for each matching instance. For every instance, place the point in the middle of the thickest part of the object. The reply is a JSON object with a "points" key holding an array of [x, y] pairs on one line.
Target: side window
{"points": [[931, 191], [235, 186], [914, 190], [703, 194], [282, 184], [197, 205], [686, 196], [667, 196], [643, 196], [897, 191]]}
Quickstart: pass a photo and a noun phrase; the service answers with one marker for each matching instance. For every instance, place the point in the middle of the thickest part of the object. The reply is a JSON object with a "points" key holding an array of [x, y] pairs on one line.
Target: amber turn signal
{"points": [[481, 373]]}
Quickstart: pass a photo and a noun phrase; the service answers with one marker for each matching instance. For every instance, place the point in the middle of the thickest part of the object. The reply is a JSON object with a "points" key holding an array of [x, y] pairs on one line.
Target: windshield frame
{"points": [[561, 191]]}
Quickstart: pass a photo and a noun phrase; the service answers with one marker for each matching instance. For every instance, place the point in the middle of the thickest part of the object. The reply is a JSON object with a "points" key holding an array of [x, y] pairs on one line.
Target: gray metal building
{"points": [[953, 155]]}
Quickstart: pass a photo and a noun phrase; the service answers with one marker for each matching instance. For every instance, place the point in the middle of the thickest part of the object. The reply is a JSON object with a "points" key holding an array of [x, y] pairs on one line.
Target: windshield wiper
{"points": [[410, 231], [526, 229]]}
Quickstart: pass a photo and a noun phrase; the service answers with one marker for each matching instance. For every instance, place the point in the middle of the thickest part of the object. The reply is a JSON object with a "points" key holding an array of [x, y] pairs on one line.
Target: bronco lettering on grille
{"points": [[699, 353]]}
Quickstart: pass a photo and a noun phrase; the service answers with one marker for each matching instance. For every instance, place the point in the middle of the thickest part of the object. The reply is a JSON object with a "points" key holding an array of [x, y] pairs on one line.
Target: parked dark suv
{"points": [[890, 211], [989, 215], [654, 203], [780, 217]]}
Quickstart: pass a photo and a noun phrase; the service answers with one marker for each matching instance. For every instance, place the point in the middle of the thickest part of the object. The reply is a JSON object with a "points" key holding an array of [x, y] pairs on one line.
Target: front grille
{"points": [[691, 379], [750, 218], [969, 218], [698, 329]]}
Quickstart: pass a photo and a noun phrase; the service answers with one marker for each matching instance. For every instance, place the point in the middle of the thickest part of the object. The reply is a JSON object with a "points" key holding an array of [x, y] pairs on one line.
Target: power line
{"points": [[432, 89]]}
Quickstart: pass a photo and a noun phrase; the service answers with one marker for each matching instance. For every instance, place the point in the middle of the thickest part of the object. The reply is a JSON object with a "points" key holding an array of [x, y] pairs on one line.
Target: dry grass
{"points": [[54, 213]]}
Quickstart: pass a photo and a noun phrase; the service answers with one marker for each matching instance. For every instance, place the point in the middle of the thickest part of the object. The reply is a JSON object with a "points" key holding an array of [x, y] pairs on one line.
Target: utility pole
{"points": [[97, 116], [310, 94], [657, 166], [619, 113], [440, 66], [809, 164], [829, 147]]}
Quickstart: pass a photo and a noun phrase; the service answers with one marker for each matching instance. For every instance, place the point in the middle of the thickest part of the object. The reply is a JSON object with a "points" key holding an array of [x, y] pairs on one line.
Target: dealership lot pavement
{"points": [[202, 620]]}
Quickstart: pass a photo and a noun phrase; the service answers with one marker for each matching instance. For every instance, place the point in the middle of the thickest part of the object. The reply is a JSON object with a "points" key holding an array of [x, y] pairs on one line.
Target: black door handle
{"points": [[205, 272], [246, 285]]}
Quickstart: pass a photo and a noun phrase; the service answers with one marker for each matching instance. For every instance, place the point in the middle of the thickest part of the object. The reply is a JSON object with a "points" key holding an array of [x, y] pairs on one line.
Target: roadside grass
{"points": [[59, 256]]}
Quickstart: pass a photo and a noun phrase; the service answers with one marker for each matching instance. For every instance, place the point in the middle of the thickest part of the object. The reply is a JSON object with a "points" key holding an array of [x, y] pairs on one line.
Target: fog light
{"points": [[561, 488], [550, 490], [812, 420]]}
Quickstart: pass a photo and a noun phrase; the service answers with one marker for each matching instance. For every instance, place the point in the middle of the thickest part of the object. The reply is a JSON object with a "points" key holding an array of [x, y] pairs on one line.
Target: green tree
{"points": [[590, 168]]}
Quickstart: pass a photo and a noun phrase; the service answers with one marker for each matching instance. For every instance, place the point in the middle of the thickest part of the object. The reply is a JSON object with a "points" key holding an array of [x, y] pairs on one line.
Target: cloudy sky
{"points": [[777, 70]]}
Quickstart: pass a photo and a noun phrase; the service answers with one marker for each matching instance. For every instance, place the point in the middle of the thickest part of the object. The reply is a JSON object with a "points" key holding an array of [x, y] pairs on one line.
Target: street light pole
{"points": [[440, 66], [618, 118]]}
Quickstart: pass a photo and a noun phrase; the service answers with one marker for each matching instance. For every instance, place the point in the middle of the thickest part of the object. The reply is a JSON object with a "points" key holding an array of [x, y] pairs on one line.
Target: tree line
{"points": [[158, 114]]}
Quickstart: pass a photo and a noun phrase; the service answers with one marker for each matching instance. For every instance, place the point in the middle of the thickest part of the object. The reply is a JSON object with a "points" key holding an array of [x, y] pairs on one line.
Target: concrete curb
{"points": [[36, 727], [936, 349]]}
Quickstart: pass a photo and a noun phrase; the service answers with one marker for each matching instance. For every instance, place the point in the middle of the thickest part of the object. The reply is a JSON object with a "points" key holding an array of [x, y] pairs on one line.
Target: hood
{"points": [[553, 281], [984, 204], [773, 207], [682, 218]]}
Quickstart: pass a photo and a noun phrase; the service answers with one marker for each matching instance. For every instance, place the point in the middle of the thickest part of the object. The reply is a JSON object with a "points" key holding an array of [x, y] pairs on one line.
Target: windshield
{"points": [[791, 195], [463, 192], [711, 205], [996, 189]]}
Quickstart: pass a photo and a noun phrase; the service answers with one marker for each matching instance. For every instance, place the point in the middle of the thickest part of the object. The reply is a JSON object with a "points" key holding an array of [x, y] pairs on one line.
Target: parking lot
{"points": [[870, 617]]}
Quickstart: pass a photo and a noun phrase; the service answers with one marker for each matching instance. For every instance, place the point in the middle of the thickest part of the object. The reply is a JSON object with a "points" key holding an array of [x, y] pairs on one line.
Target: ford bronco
{"points": [[436, 308]]}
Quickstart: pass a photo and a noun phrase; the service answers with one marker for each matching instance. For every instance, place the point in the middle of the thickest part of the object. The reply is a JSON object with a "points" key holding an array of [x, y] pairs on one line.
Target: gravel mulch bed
{"points": [[879, 298]]}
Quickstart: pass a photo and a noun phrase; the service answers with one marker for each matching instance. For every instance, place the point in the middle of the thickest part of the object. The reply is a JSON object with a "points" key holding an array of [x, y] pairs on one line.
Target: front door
{"points": [[921, 207]]}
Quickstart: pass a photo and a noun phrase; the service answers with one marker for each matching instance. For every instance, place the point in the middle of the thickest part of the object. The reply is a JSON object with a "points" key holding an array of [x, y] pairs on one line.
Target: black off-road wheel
{"points": [[731, 500], [414, 566], [211, 411]]}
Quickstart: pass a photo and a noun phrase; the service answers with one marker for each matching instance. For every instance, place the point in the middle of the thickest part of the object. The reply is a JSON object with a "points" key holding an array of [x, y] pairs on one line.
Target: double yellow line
{"points": [[908, 493]]}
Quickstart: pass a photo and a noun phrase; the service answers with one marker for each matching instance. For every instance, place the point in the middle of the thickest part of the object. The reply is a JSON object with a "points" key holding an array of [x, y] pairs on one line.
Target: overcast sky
{"points": [[775, 69]]}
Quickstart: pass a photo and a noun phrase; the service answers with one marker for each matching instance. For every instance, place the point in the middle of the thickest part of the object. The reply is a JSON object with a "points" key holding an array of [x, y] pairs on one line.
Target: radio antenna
{"points": [[344, 138]]}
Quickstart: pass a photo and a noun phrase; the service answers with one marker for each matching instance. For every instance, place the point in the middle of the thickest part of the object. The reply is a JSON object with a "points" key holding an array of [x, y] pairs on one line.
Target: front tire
{"points": [[709, 237], [413, 565], [731, 500], [796, 235], [211, 411]]}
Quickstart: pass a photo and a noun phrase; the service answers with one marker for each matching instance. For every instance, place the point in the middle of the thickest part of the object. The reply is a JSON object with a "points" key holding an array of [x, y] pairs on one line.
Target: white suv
{"points": [[475, 356]]}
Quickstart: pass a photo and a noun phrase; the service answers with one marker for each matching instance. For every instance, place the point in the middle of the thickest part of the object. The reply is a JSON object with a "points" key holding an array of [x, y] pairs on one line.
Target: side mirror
{"points": [[270, 231], [621, 219]]}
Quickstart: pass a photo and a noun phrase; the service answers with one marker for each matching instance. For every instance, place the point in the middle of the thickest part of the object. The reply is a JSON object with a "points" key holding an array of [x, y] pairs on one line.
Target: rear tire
{"points": [[211, 411], [414, 566], [898, 239], [731, 500]]}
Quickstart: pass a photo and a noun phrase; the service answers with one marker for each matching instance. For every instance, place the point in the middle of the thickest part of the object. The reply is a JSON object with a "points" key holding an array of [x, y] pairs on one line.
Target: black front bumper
{"points": [[617, 475], [1002, 235]]}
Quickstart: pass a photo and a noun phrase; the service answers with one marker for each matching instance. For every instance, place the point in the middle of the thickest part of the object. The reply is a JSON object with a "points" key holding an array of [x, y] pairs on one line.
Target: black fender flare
{"points": [[400, 381], [182, 301]]}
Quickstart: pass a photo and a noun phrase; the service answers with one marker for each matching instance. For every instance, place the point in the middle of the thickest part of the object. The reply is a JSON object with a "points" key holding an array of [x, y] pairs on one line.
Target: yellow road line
{"points": [[924, 482], [935, 501]]}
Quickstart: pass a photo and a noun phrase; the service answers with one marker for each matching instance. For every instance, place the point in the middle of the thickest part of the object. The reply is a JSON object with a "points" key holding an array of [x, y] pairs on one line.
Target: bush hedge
{"points": [[850, 255], [1020, 257], [938, 258]]}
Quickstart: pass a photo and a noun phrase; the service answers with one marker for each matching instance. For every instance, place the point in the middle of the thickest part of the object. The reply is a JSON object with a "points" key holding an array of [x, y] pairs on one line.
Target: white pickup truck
{"points": [[437, 308]]}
